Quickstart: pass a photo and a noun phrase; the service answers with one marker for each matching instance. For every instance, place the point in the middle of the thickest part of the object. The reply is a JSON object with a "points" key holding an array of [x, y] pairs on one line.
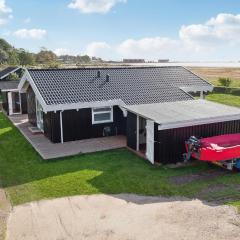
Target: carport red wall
{"points": [[169, 144]]}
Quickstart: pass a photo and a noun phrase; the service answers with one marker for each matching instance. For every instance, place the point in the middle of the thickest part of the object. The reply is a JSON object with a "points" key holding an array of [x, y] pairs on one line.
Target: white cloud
{"points": [[225, 19], [217, 38], [99, 49], [156, 47], [221, 30], [61, 51], [94, 6], [5, 12], [30, 33]]}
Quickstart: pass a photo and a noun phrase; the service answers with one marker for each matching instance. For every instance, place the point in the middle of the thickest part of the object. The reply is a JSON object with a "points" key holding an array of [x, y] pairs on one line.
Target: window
{"points": [[102, 115]]}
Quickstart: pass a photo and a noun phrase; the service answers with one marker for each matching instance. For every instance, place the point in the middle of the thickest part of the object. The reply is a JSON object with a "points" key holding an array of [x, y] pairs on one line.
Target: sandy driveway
{"points": [[123, 217], [5, 209]]}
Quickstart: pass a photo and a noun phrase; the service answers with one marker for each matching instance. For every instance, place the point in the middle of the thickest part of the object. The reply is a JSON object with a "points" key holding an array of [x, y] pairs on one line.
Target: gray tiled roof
{"points": [[131, 85], [7, 85]]}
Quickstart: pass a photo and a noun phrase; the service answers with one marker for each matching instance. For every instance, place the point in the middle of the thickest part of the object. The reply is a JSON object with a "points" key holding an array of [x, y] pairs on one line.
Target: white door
{"points": [[39, 114], [150, 141], [10, 103]]}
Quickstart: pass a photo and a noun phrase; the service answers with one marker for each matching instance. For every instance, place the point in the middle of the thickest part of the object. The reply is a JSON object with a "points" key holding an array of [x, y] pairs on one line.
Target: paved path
{"points": [[49, 150], [123, 217]]}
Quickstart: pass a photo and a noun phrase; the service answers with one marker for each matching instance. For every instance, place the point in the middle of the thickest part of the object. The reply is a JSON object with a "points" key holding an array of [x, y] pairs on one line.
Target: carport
{"points": [[169, 125]]}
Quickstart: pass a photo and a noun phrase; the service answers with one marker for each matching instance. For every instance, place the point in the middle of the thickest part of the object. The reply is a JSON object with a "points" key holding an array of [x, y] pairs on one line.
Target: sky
{"points": [[179, 30]]}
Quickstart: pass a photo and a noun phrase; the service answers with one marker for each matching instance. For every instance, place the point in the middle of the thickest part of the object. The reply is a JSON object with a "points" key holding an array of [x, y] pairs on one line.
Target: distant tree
{"points": [[53, 65], [43, 49], [25, 58], [97, 59], [83, 59], [3, 56], [45, 56], [226, 82], [67, 59], [4, 45], [13, 58], [86, 59]]}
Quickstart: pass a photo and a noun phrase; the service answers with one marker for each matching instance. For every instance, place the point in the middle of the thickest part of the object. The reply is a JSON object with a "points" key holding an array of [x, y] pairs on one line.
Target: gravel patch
{"points": [[123, 217], [4, 212]]}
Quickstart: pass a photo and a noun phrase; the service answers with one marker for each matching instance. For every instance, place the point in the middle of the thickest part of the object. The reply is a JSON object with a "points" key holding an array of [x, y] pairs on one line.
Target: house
{"points": [[13, 101], [163, 60], [151, 106], [130, 60]]}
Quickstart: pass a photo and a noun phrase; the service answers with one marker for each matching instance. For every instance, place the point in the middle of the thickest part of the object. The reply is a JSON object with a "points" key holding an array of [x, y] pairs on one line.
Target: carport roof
{"points": [[185, 113], [8, 85]]}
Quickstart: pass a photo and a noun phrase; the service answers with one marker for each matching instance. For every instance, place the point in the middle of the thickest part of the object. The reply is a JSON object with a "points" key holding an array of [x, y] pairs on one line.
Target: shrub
{"points": [[13, 76], [52, 65], [224, 90], [226, 82]]}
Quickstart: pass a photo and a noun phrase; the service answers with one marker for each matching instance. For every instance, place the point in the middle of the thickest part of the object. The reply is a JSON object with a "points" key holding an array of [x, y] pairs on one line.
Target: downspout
{"points": [[61, 126], [137, 134], [20, 101]]}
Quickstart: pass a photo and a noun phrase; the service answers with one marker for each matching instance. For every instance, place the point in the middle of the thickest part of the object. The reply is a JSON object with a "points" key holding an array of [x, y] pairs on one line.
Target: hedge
{"points": [[227, 90]]}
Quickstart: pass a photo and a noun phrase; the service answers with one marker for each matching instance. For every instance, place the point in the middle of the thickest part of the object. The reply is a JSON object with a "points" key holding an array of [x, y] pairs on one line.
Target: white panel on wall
{"points": [[10, 103], [150, 141]]}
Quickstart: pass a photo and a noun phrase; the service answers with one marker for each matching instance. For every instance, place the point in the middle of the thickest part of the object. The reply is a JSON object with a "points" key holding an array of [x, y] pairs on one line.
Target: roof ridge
{"points": [[101, 68], [186, 68]]}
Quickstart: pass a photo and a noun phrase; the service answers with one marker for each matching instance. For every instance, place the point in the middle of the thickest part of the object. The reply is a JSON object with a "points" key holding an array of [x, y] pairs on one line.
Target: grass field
{"points": [[227, 99], [212, 74], [26, 177]]}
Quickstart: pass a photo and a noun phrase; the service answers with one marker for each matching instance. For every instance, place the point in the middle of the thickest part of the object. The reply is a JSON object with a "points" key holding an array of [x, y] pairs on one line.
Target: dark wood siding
{"points": [[156, 145], [77, 125], [131, 130], [5, 102], [24, 103], [169, 145], [51, 123], [31, 106]]}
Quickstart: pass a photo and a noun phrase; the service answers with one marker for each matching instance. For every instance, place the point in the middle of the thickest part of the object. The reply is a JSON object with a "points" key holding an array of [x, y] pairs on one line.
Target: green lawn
{"points": [[26, 177], [225, 99], [235, 83]]}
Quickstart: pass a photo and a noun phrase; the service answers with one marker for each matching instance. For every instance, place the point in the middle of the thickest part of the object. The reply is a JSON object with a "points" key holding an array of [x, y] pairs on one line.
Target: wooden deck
{"points": [[49, 150]]}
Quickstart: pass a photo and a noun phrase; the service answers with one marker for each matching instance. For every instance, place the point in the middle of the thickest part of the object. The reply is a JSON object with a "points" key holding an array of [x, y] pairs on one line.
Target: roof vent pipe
{"points": [[98, 74], [107, 78]]}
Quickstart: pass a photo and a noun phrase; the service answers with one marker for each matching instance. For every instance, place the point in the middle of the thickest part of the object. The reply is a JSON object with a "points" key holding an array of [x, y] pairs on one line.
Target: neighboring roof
{"points": [[7, 71], [8, 85], [186, 113], [132, 85]]}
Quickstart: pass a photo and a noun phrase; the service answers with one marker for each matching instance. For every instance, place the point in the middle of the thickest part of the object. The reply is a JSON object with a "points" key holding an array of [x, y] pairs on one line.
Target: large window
{"points": [[102, 115]]}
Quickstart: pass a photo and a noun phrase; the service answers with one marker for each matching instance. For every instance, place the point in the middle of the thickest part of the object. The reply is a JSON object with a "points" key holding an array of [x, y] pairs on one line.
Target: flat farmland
{"points": [[213, 73]]}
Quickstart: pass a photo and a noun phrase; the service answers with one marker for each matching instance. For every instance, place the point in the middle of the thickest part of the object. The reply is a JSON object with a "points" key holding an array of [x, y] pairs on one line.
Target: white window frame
{"points": [[40, 122], [10, 102], [101, 112]]}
